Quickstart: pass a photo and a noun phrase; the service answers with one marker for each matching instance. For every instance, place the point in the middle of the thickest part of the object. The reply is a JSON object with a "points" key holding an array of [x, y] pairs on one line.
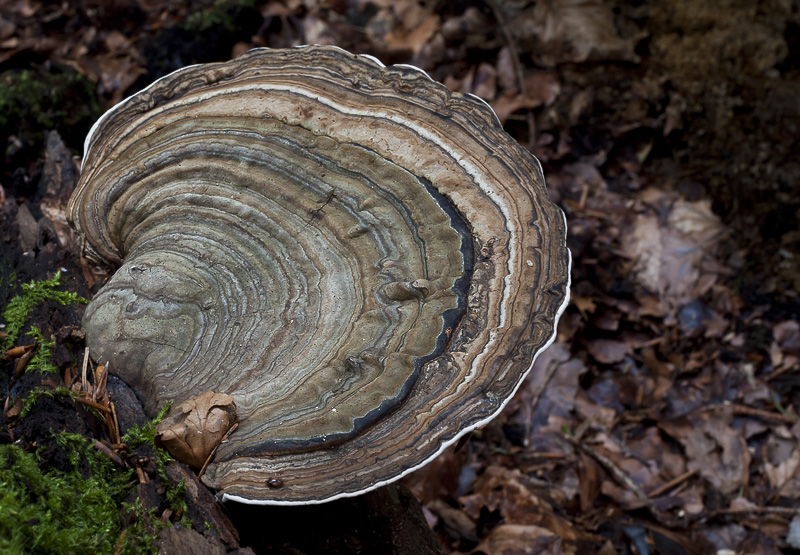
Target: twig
{"points": [[213, 451], [116, 435], [108, 452], [672, 484], [546, 455], [785, 511], [22, 363], [83, 369], [100, 377], [143, 479], [94, 405], [515, 60], [14, 352], [744, 410], [613, 468], [780, 370]]}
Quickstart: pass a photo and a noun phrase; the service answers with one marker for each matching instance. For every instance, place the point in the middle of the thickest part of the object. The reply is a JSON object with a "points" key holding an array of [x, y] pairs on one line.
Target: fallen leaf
{"points": [[509, 492], [713, 448], [521, 539], [456, 521], [560, 391], [194, 428], [608, 351], [570, 31], [410, 27], [674, 256], [784, 477]]}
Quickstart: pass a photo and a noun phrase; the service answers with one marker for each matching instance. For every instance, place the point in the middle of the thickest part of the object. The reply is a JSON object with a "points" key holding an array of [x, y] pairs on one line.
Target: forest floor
{"points": [[666, 416]]}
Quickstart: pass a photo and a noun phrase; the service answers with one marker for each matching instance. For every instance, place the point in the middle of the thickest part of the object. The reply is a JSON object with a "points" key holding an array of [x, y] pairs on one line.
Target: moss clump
{"points": [[136, 436], [20, 307], [56, 511], [33, 101], [40, 362], [38, 392], [78, 510]]}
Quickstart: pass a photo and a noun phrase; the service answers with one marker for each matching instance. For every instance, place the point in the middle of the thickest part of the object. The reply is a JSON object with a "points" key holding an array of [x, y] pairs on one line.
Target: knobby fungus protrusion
{"points": [[356, 344]]}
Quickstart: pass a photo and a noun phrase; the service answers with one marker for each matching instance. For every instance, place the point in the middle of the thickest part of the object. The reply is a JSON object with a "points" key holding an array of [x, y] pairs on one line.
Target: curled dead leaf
{"points": [[194, 428]]}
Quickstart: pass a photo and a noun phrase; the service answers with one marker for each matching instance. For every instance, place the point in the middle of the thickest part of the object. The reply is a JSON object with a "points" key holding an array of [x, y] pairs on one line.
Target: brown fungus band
{"points": [[364, 260]]}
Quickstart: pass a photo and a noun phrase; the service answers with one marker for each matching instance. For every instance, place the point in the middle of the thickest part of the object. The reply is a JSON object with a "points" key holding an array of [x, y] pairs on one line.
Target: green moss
{"points": [[140, 536], [137, 435], [40, 362], [77, 510], [20, 307], [59, 512], [176, 502], [38, 392], [55, 511]]}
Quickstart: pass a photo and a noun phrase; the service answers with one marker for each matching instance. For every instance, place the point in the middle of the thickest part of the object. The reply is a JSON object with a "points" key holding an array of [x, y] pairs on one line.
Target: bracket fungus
{"points": [[364, 260]]}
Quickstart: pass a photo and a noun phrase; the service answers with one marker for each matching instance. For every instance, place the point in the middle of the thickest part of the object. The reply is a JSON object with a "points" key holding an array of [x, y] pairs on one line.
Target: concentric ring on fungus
{"points": [[362, 258]]}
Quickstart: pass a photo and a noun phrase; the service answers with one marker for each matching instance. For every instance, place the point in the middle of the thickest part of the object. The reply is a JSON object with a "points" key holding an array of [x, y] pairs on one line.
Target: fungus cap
{"points": [[363, 259]]}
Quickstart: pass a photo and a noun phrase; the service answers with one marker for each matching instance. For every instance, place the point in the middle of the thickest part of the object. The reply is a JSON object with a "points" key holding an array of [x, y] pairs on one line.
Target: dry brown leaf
{"points": [[116, 43], [508, 103], [596, 415], [541, 89], [560, 391], [608, 351], [194, 428], [520, 539], [506, 72], [456, 521], [439, 478], [403, 27], [584, 304], [787, 335], [784, 477], [713, 448], [482, 82], [566, 31], [674, 256], [317, 31], [504, 489], [509, 492]]}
